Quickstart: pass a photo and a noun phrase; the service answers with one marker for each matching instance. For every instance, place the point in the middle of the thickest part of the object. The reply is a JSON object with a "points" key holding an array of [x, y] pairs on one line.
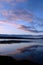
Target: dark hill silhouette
{"points": [[12, 41], [10, 60], [7, 36]]}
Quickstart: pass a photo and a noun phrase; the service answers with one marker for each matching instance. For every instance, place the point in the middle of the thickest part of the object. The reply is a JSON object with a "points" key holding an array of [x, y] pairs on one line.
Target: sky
{"points": [[21, 16]]}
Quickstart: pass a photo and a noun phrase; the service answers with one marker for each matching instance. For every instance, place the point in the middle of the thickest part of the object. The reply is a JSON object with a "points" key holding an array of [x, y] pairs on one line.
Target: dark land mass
{"points": [[18, 38], [13, 41], [5, 36], [10, 60]]}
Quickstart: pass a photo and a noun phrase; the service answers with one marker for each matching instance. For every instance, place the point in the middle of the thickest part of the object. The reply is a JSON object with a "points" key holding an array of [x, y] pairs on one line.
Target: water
{"points": [[30, 50], [10, 48]]}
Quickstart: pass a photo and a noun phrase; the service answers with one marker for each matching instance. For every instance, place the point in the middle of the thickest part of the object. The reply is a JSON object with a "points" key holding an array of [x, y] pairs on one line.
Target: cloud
{"points": [[13, 0], [17, 14], [21, 14], [29, 29], [4, 13], [1, 6], [15, 11], [7, 22], [1, 27], [21, 0], [8, 1]]}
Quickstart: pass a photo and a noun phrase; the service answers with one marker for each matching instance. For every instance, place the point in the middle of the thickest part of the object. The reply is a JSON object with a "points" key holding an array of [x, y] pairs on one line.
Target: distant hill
{"points": [[20, 36]]}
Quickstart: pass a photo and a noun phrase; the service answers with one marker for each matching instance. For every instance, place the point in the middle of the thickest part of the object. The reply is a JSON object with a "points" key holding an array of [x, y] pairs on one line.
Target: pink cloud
{"points": [[21, 0], [16, 14], [8, 1], [4, 13], [21, 14], [7, 22], [1, 27], [27, 28], [13, 0]]}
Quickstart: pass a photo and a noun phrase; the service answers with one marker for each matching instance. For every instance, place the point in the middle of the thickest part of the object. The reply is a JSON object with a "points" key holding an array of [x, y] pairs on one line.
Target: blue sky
{"points": [[21, 16]]}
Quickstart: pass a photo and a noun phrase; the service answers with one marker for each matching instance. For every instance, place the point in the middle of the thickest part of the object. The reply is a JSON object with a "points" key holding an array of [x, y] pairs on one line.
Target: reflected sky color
{"points": [[14, 48], [21, 16], [19, 51]]}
